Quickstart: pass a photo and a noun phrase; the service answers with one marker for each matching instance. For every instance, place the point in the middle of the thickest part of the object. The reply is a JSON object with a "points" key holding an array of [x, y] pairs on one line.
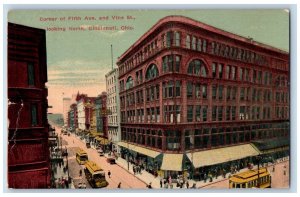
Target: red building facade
{"points": [[187, 86], [28, 150]]}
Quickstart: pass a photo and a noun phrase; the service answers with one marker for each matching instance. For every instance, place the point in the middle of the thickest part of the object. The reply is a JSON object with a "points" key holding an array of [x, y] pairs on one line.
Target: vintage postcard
{"points": [[148, 99]]}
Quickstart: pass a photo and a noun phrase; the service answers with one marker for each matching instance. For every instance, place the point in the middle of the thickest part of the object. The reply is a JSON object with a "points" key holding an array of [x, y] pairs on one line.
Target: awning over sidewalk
{"points": [[221, 155], [272, 145], [172, 162], [139, 149]]}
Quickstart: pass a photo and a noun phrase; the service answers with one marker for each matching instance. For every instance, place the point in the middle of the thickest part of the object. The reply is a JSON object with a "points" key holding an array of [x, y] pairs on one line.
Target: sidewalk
{"points": [[155, 182], [145, 176]]}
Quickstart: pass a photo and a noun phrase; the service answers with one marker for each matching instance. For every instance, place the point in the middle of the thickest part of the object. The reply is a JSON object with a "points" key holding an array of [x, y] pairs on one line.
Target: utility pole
{"points": [[112, 61], [258, 180]]}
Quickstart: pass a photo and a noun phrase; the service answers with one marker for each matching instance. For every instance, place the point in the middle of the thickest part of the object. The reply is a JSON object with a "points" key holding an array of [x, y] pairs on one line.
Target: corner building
{"points": [[28, 128], [188, 89]]}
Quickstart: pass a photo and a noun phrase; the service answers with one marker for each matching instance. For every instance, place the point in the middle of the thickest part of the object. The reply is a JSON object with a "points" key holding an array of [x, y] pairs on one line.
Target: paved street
{"points": [[118, 174]]}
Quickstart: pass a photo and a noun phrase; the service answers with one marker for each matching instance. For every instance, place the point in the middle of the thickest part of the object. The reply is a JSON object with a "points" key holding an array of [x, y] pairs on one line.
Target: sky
{"points": [[79, 60]]}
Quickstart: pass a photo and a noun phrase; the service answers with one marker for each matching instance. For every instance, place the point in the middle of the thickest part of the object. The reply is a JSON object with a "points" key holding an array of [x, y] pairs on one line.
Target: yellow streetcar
{"points": [[81, 157], [95, 175], [251, 179]]}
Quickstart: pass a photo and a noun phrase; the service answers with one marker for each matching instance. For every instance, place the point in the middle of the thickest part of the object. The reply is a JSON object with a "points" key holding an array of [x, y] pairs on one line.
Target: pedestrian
{"points": [[274, 168], [119, 185], [194, 186], [109, 173], [161, 183], [187, 185], [80, 172], [133, 168]]}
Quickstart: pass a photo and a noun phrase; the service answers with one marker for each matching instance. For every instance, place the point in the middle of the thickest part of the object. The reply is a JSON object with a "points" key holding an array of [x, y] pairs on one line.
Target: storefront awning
{"points": [[221, 155], [139, 149], [172, 162], [272, 145], [94, 134]]}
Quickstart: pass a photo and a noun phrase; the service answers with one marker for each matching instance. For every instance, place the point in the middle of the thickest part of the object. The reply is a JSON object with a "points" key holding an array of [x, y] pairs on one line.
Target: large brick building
{"points": [[28, 150], [188, 89]]}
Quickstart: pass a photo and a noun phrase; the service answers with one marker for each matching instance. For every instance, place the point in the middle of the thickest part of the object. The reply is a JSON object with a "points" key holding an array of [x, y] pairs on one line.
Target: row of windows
{"points": [[200, 91], [237, 53], [139, 56], [111, 80], [198, 138], [200, 113], [171, 63], [174, 39]]}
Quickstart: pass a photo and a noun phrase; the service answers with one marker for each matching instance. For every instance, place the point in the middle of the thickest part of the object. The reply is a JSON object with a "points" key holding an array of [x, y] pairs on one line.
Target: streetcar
{"points": [[81, 157], [95, 175], [251, 179]]}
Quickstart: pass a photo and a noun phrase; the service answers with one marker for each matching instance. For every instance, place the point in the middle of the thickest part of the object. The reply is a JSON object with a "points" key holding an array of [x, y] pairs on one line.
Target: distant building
{"points": [[193, 96], [66, 107], [101, 114], [28, 128], [113, 107], [85, 107]]}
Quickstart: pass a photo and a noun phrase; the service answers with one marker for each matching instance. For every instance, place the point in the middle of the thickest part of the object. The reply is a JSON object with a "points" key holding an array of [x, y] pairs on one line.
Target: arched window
{"points": [[129, 83], [197, 67], [151, 72]]}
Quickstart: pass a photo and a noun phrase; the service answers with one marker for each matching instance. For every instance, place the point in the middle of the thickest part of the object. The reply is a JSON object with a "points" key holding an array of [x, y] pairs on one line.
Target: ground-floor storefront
{"points": [[201, 165]]}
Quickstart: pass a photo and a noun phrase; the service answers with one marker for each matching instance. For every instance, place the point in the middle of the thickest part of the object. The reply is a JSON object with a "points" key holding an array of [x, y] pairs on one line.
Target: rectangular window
{"points": [[260, 77], [233, 93], [169, 38], [189, 90], [242, 112], [204, 45], [177, 39], [198, 111], [254, 76], [34, 115], [204, 91], [170, 89], [220, 113], [247, 75], [199, 44], [228, 109], [178, 88], [190, 113], [157, 92], [204, 113], [214, 68], [220, 71], [228, 93], [197, 90], [227, 74], [241, 74], [214, 113], [233, 109], [30, 74], [220, 93], [233, 73], [242, 94], [214, 92], [177, 63], [194, 43], [188, 42]]}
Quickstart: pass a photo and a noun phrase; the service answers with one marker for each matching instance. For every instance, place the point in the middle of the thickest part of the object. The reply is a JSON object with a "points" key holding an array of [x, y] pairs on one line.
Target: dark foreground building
{"points": [[198, 99], [28, 150]]}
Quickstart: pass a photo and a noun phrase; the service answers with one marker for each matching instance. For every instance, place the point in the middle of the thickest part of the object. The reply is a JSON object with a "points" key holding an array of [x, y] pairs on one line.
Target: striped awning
{"points": [[172, 162], [222, 155]]}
